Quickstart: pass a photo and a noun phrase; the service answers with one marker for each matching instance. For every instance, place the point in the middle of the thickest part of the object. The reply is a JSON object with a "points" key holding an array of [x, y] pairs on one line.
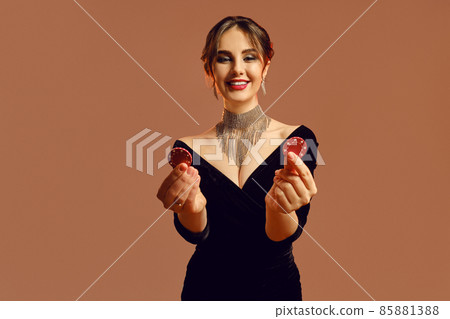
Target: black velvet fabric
{"points": [[234, 259]]}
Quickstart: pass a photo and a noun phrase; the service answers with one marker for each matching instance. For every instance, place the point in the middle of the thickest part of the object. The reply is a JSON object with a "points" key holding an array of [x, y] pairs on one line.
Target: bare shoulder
{"points": [[209, 133], [279, 129]]}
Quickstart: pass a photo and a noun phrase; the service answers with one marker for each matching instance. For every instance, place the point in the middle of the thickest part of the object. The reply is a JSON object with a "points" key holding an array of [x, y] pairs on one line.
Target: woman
{"points": [[248, 212]]}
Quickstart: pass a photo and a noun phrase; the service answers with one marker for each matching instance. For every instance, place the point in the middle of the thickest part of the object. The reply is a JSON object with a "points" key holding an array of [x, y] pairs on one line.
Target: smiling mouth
{"points": [[238, 85]]}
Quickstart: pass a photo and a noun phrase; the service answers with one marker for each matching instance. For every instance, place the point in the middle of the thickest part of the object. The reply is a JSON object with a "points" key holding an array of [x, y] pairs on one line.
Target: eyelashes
{"points": [[224, 59]]}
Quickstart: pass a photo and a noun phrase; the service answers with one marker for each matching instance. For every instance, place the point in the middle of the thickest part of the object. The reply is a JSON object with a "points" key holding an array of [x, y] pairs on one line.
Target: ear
{"points": [[266, 68]]}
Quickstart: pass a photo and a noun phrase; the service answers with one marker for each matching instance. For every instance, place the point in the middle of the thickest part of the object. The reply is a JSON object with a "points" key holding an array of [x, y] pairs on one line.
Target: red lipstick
{"points": [[238, 84]]}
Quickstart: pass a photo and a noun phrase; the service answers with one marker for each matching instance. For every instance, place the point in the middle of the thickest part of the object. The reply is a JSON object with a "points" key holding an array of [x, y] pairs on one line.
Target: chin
{"points": [[241, 98]]}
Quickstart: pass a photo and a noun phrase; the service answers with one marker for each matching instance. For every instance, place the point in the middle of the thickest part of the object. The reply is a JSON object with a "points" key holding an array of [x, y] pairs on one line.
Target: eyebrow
{"points": [[244, 51]]}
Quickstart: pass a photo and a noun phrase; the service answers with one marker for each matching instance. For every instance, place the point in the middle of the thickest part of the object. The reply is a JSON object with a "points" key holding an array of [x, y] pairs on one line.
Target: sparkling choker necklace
{"points": [[234, 128]]}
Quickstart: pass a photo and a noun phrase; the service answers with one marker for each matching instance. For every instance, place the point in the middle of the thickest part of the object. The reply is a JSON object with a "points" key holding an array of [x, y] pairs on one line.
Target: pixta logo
{"points": [[149, 151], [313, 153]]}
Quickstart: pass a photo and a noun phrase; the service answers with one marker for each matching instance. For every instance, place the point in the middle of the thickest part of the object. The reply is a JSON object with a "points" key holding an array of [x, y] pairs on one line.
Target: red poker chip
{"points": [[179, 155], [296, 145]]}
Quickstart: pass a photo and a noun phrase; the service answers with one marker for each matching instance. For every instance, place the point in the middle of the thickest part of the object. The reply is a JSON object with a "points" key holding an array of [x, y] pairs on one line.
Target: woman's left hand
{"points": [[293, 187]]}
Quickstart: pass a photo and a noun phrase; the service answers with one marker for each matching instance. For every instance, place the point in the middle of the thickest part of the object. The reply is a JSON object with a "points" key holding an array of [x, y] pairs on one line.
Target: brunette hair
{"points": [[256, 34]]}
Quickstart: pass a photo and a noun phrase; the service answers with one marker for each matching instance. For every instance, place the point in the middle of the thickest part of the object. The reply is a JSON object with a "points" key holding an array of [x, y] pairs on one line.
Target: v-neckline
{"points": [[253, 172]]}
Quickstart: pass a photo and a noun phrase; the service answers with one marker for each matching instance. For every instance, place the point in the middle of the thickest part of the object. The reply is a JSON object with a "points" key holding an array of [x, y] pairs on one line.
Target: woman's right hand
{"points": [[182, 186]]}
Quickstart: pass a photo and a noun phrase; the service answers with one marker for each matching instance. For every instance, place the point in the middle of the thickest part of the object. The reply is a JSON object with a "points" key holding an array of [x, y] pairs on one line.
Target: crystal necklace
{"points": [[236, 129]]}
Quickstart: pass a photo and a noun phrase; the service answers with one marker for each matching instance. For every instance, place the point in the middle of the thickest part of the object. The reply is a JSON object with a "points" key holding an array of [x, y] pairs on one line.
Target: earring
{"points": [[263, 87]]}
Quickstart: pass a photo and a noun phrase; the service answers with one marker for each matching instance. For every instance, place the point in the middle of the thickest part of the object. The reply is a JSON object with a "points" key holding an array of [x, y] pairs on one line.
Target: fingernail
{"points": [[277, 172], [183, 167], [291, 155], [191, 171]]}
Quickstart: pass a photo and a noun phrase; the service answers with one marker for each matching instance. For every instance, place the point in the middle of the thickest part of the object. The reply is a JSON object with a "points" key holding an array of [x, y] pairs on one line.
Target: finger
{"points": [[302, 198], [183, 196], [288, 190], [270, 196], [184, 193], [296, 182], [179, 188], [295, 164], [176, 173], [281, 200], [189, 203], [289, 164], [294, 201]]}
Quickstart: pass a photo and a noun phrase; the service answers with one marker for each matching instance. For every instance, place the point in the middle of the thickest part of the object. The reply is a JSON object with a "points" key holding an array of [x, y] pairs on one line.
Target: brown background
{"points": [[377, 101]]}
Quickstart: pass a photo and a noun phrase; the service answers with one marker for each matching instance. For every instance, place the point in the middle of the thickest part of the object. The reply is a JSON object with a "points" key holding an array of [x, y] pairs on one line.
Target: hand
{"points": [[180, 187], [293, 187]]}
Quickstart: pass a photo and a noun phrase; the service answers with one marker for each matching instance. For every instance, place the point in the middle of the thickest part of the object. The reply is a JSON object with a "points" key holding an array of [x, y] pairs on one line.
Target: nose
{"points": [[238, 66]]}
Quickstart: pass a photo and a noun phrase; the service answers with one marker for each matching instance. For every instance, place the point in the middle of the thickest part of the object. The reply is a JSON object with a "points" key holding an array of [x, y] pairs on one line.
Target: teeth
{"points": [[238, 83]]}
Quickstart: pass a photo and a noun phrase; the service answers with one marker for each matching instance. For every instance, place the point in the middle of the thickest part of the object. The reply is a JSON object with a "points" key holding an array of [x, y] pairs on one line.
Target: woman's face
{"points": [[237, 59]]}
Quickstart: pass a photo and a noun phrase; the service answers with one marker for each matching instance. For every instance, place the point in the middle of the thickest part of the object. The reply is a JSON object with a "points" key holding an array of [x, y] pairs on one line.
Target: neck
{"points": [[240, 107]]}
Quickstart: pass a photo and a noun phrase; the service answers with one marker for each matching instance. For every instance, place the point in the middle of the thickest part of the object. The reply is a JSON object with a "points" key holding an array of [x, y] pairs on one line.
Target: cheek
{"points": [[220, 72], [255, 73]]}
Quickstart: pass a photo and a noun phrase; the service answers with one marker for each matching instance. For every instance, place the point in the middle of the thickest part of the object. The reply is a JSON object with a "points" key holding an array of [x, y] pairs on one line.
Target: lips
{"points": [[238, 84], [237, 81]]}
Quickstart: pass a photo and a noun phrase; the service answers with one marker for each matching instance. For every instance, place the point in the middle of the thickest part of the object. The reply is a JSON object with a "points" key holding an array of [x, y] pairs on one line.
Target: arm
{"points": [[288, 204], [191, 219], [195, 223], [191, 234], [280, 226], [288, 201]]}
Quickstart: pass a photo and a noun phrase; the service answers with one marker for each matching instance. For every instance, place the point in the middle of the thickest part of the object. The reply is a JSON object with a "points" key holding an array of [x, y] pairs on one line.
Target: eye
{"points": [[222, 59]]}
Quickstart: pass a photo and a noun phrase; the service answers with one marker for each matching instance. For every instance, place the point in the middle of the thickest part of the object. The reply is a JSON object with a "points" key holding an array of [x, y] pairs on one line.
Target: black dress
{"points": [[234, 259]]}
